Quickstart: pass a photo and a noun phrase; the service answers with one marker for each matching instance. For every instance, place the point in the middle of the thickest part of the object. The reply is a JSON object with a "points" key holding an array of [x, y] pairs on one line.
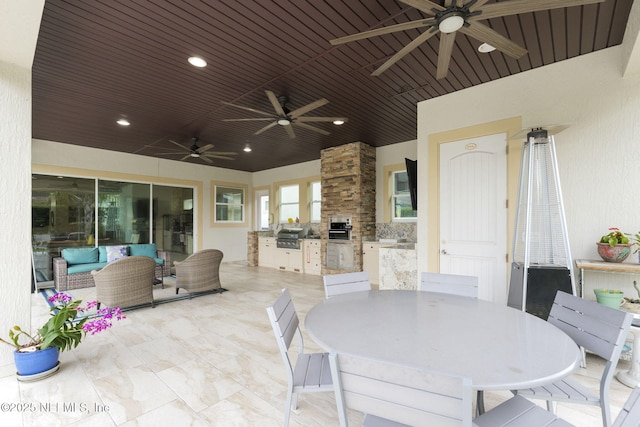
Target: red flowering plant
{"points": [[615, 237], [64, 329]]}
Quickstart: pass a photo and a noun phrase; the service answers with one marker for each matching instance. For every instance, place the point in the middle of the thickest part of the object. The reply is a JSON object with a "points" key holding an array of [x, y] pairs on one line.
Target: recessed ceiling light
{"points": [[486, 48], [123, 122], [196, 61], [247, 149], [338, 122]]}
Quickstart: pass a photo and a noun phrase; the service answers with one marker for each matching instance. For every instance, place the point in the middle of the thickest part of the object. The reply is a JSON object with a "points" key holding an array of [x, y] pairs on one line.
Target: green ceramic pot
{"points": [[610, 298]]}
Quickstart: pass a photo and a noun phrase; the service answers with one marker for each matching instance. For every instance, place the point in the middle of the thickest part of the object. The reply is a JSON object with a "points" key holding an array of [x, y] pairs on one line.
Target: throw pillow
{"points": [[80, 255], [116, 252], [148, 249]]}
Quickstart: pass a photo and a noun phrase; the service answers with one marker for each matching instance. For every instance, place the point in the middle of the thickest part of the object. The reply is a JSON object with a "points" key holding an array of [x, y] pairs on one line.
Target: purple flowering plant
{"points": [[64, 329]]}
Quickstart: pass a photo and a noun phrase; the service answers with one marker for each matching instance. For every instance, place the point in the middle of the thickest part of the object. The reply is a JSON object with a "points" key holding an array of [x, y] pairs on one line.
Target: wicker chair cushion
{"points": [[114, 253], [80, 255], [85, 268]]}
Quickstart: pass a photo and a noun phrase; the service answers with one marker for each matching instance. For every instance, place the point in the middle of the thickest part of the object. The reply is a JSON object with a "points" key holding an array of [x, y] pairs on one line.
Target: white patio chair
{"points": [[393, 395], [311, 372], [521, 412], [629, 416], [336, 284], [466, 286], [599, 329]]}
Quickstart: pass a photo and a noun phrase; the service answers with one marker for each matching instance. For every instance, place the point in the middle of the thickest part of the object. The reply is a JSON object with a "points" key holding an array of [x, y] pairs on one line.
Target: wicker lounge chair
{"points": [[200, 272], [126, 282]]}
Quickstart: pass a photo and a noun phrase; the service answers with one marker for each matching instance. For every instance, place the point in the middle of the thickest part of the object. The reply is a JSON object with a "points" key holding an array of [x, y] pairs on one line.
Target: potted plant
{"points": [[64, 330], [635, 242], [614, 246]]}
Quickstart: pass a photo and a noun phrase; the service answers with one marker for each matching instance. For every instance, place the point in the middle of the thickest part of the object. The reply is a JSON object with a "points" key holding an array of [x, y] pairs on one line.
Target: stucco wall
{"points": [[598, 154], [15, 189]]}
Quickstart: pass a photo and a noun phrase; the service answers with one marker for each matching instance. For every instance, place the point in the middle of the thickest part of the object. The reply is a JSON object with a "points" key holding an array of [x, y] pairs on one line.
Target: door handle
{"points": [[443, 252]]}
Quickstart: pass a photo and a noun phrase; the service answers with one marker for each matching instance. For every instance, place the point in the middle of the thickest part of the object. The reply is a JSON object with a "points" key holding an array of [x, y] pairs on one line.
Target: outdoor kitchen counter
{"points": [[398, 267]]}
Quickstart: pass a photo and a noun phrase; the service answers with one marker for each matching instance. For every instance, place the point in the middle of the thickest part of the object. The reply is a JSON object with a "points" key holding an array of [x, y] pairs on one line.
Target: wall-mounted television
{"points": [[412, 176]]}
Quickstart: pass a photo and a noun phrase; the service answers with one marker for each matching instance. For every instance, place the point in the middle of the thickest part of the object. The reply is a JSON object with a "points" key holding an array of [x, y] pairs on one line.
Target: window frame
{"points": [[281, 203], [215, 222], [313, 202], [389, 194]]}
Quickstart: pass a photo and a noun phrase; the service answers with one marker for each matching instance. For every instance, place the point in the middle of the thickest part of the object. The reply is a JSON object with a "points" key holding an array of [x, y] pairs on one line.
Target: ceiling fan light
{"points": [[451, 23], [283, 121], [247, 149], [196, 61], [123, 122], [486, 48], [195, 154], [338, 122]]}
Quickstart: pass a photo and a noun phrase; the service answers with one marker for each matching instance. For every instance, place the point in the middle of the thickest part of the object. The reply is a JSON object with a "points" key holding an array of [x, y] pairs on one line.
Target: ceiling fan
{"points": [[286, 118], [460, 16], [194, 151]]}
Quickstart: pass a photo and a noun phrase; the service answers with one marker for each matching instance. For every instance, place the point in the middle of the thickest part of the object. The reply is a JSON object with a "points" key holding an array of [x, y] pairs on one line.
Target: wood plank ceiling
{"points": [[98, 61]]}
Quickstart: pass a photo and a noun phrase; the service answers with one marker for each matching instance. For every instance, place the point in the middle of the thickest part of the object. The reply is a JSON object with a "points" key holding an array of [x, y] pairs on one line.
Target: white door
{"points": [[473, 212], [262, 209]]}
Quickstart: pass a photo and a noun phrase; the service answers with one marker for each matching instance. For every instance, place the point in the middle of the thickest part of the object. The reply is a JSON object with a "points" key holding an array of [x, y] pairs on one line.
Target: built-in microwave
{"points": [[339, 228]]}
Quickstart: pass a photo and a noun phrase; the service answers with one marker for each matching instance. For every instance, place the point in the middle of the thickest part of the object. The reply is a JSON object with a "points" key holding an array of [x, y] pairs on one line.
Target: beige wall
{"points": [[598, 154]]}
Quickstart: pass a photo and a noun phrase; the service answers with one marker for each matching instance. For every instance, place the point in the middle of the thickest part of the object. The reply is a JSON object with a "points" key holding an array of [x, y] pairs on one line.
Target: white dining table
{"points": [[498, 347]]}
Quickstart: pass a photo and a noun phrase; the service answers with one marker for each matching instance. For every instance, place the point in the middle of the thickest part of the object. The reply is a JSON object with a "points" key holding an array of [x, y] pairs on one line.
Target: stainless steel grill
{"points": [[289, 238]]}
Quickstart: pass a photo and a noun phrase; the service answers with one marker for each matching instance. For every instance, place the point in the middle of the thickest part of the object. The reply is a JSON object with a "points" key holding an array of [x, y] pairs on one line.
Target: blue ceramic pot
{"points": [[37, 361]]}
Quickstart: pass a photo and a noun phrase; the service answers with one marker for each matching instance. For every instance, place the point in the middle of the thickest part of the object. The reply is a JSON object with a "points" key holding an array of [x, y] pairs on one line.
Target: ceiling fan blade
{"points": [[487, 35], [276, 104], [305, 109], [250, 120], [205, 148], [444, 54], [180, 145], [477, 5], [185, 157], [290, 131], [514, 7], [205, 159], [267, 127], [169, 154], [221, 153], [424, 5], [215, 156], [313, 128], [404, 51], [320, 119], [380, 31], [253, 110]]}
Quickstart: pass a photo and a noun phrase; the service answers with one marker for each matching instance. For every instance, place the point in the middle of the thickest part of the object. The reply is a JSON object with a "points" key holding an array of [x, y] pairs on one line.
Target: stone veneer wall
{"points": [[349, 188], [252, 248]]}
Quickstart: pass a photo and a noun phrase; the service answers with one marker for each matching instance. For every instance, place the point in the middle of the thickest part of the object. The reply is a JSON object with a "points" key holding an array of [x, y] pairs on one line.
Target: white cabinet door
{"points": [[312, 258], [370, 262], [267, 252], [289, 259]]}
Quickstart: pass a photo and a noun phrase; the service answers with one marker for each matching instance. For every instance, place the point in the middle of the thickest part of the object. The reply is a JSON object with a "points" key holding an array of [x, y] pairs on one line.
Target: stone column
{"points": [[349, 188]]}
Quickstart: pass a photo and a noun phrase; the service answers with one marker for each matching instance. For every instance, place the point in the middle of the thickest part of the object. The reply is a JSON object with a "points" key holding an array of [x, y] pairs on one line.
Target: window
{"points": [[401, 198], [289, 202], [229, 204], [316, 201]]}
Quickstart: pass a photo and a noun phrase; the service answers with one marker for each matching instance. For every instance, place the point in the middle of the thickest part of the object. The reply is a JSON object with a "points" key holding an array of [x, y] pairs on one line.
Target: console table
{"points": [[603, 266], [629, 378]]}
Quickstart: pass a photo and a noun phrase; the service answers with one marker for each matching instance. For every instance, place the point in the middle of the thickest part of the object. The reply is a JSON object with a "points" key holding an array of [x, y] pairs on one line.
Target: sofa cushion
{"points": [[116, 252], [85, 268], [143, 250], [102, 251], [80, 255]]}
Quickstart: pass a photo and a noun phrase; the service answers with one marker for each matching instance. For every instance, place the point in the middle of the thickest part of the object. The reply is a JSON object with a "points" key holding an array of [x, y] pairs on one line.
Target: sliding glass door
{"points": [[64, 211]]}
